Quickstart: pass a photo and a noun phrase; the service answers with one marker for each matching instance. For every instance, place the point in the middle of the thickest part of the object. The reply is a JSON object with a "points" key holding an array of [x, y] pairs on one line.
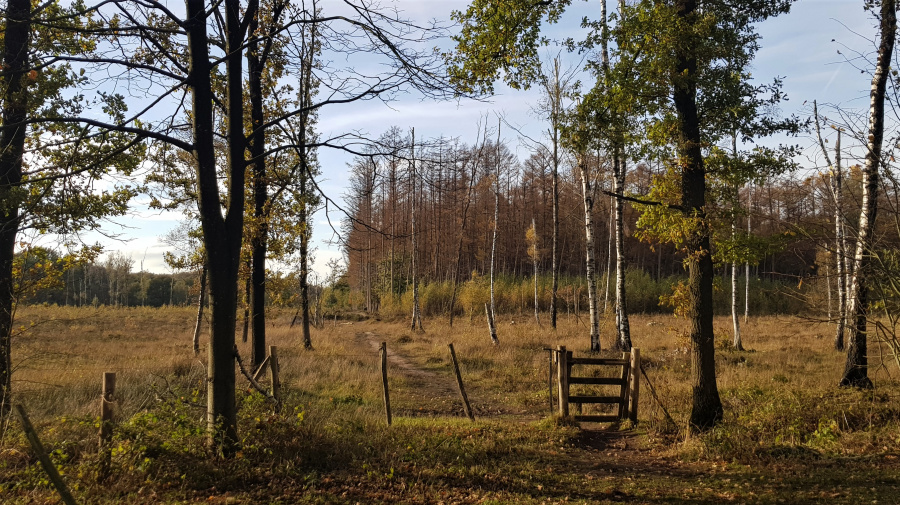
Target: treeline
{"points": [[515, 297], [790, 217], [44, 276]]}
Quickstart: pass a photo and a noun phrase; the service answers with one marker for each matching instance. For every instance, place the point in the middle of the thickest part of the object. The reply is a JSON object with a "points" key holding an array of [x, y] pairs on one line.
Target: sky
{"points": [[801, 47]]}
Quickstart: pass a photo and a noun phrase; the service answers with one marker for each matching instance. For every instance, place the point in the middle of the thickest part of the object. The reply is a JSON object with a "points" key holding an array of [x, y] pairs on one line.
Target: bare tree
{"points": [[417, 314], [492, 312], [840, 250]]}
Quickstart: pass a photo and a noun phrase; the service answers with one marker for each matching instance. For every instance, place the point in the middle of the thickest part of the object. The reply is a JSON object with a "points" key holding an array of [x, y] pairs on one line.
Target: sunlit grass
{"points": [[330, 443]]}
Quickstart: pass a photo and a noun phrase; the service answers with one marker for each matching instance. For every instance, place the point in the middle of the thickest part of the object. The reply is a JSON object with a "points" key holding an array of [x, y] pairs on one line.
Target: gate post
{"points": [[562, 374], [635, 382]]}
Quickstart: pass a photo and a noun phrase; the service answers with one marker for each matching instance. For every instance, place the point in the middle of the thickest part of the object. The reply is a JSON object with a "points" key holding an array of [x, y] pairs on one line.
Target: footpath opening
{"points": [[626, 379]]}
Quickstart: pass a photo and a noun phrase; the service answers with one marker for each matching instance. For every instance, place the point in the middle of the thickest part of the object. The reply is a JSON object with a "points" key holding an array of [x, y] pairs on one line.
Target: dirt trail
{"points": [[422, 392]]}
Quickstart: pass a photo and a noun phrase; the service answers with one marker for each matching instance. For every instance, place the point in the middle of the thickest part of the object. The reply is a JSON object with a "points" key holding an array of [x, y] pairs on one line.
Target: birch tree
{"points": [[856, 369], [835, 178], [587, 193], [556, 87], [491, 312]]}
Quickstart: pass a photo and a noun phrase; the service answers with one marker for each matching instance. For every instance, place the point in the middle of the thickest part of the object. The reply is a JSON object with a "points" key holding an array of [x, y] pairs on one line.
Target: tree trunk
{"points": [[856, 370], [747, 264], [554, 286], [304, 273], [840, 251], [591, 261], [416, 315], [459, 244], [306, 94], [16, 44], [492, 313], [201, 301], [248, 295], [609, 244], [735, 318], [841, 247], [221, 234], [535, 261], [259, 235], [623, 329], [706, 406]]}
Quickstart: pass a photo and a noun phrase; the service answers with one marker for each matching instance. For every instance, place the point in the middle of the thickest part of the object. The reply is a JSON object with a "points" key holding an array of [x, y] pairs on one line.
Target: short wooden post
{"points": [[384, 383], [274, 371], [107, 392], [38, 448], [562, 374], [635, 382], [459, 382]]}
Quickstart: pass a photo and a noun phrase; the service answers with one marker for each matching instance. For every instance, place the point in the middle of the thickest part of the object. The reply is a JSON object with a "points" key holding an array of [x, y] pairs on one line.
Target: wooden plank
{"points": [[384, 383], [598, 361], [262, 369], [594, 399], [459, 382], [42, 456], [599, 381], [611, 418], [635, 383]]}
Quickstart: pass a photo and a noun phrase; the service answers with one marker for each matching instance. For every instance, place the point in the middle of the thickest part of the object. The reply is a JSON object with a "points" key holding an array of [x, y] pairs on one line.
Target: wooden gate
{"points": [[626, 381]]}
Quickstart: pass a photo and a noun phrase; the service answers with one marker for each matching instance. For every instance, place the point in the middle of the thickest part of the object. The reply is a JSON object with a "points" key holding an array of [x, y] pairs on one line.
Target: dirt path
{"points": [[420, 392]]}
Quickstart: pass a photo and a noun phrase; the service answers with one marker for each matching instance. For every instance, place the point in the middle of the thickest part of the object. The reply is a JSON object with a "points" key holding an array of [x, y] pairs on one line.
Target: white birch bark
{"points": [[735, 320], [591, 260], [609, 244], [841, 246], [623, 328], [747, 264], [856, 369], [492, 313], [840, 253]]}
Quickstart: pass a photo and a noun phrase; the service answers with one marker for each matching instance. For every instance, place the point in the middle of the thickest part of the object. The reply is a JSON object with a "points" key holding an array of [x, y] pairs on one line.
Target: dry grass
{"points": [[783, 410]]}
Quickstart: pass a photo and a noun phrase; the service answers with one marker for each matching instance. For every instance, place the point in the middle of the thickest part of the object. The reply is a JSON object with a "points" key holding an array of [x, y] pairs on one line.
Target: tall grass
{"points": [[515, 296], [330, 444]]}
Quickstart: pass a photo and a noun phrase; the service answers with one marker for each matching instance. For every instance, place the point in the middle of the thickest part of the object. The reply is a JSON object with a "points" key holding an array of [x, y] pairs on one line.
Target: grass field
{"points": [[789, 434]]}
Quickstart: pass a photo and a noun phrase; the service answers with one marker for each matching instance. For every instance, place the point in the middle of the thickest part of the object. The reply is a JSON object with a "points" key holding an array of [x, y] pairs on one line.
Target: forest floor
{"points": [[789, 434]]}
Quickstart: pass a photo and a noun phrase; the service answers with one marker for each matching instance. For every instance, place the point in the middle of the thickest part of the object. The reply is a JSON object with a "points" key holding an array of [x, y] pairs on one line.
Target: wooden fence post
{"points": [[107, 393], [562, 374], [459, 381], [635, 382], [550, 377], [274, 371], [51, 470], [384, 383]]}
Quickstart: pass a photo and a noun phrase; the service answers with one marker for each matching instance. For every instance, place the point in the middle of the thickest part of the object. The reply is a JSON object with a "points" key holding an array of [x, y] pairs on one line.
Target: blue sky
{"points": [[802, 47]]}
